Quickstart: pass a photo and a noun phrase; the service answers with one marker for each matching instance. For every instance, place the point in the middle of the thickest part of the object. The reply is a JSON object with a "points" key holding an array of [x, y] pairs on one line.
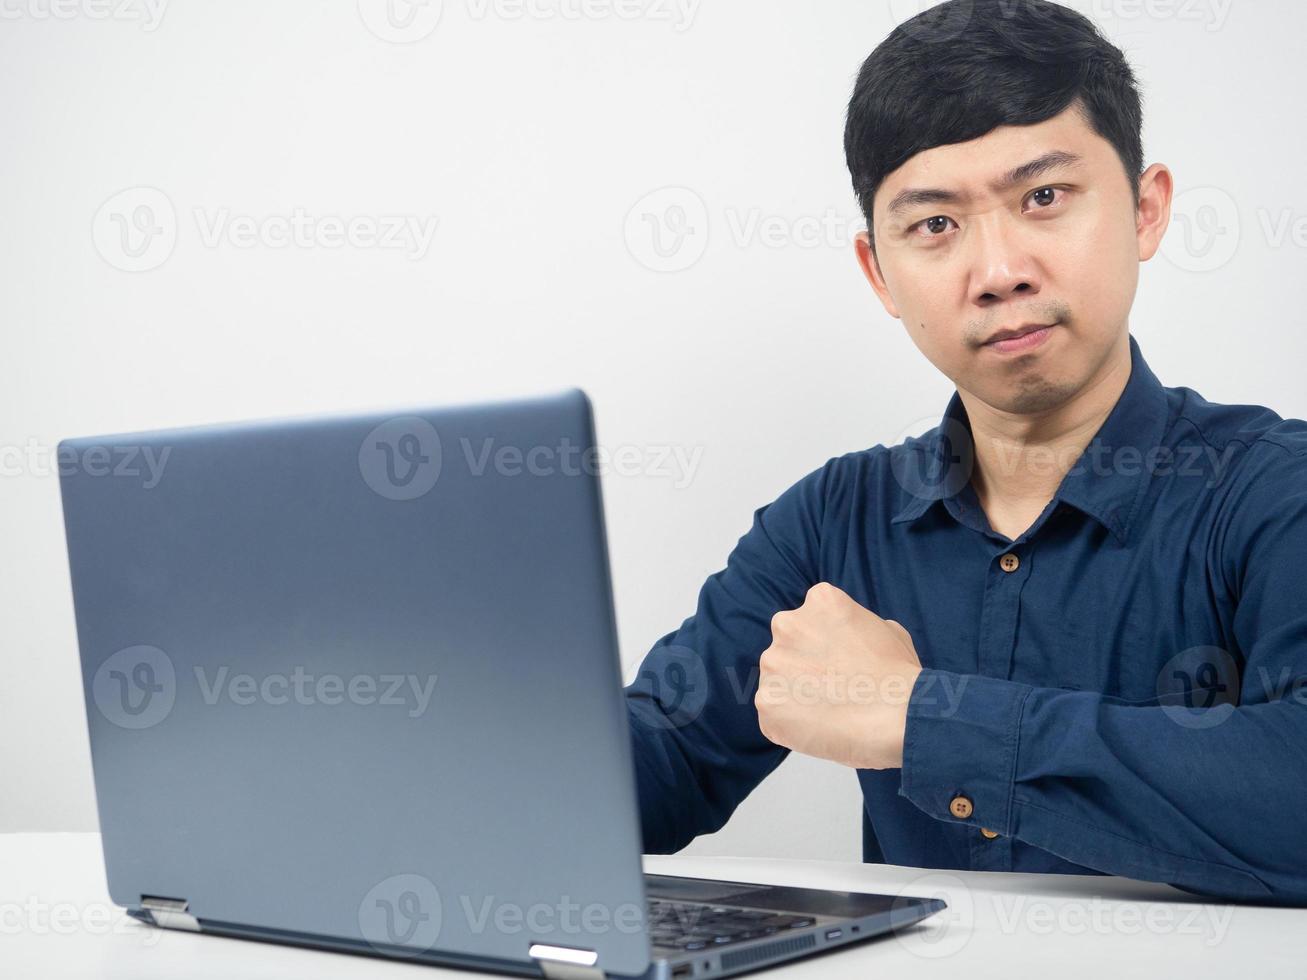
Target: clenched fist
{"points": [[835, 681]]}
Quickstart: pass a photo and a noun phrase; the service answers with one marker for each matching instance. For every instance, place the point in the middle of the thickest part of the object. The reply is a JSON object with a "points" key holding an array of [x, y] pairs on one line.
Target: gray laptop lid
{"points": [[358, 677]]}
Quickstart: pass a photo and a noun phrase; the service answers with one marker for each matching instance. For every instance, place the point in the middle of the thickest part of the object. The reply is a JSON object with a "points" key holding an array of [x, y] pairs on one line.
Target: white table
{"points": [[56, 921]]}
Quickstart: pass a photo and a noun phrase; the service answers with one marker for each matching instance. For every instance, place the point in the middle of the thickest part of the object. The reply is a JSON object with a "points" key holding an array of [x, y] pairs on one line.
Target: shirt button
{"points": [[1009, 562], [960, 807], [987, 833]]}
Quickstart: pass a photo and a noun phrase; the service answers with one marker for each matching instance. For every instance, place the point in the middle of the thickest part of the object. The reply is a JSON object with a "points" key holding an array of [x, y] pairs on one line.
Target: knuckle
{"points": [[821, 592]]}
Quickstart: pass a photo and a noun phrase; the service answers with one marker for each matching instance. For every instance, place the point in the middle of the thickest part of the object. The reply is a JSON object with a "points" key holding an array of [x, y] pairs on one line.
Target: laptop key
{"points": [[690, 926]]}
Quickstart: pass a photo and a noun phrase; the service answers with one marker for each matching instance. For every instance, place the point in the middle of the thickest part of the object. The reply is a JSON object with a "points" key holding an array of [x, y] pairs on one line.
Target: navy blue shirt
{"points": [[1121, 690]]}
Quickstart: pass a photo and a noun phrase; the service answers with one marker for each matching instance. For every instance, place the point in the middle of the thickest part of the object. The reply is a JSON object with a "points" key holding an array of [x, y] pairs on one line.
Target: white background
{"points": [[530, 139]]}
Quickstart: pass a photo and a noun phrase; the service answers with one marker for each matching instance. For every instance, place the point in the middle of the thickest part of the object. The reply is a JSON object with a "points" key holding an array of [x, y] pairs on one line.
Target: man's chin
{"points": [[1032, 394]]}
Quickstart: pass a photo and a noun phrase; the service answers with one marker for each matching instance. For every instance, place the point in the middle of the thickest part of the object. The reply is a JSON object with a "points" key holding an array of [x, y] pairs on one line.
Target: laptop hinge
{"points": [[565, 962], [170, 913]]}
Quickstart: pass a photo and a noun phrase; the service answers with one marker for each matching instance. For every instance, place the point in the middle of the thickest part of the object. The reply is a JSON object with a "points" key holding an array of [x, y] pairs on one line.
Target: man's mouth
{"points": [[1025, 337]]}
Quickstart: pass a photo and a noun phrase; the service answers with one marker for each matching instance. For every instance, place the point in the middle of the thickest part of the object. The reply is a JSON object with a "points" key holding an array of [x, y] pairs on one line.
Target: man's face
{"points": [[1059, 245]]}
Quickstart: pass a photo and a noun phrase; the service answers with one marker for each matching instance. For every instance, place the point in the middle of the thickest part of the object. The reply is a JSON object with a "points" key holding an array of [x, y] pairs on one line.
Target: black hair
{"points": [[960, 69]]}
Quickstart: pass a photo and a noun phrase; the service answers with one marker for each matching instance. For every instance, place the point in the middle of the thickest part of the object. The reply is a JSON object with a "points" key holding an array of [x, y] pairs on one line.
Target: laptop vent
{"points": [[782, 947]]}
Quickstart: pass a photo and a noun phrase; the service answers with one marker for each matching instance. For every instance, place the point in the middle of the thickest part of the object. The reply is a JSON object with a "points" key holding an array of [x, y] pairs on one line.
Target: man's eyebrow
{"points": [[1051, 160]]}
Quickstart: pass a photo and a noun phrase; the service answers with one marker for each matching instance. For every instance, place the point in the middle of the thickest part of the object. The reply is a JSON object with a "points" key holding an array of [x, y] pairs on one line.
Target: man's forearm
{"points": [[1122, 788]]}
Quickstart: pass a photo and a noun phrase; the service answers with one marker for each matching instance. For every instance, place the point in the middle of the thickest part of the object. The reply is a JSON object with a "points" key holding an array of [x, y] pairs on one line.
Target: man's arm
{"points": [[698, 750], [1211, 797]]}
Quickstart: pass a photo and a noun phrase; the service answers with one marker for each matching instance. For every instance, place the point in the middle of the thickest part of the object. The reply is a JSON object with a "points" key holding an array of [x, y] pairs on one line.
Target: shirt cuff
{"points": [[960, 747]]}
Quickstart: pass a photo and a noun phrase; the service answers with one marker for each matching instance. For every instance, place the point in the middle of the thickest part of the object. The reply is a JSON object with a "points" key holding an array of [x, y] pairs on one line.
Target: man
{"points": [[1065, 630]]}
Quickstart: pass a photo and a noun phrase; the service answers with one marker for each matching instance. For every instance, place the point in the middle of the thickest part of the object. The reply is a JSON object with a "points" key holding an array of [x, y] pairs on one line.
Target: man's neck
{"points": [[1020, 460]]}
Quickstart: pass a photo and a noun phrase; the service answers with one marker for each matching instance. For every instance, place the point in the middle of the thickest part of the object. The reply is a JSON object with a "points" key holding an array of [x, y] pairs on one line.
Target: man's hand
{"points": [[835, 681]]}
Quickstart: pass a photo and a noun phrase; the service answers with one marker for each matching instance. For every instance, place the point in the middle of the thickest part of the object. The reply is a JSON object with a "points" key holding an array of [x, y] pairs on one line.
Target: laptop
{"points": [[353, 683]]}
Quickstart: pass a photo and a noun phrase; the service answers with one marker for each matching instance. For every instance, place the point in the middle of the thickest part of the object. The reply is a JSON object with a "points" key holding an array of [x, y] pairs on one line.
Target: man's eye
{"points": [[932, 227], [1045, 197]]}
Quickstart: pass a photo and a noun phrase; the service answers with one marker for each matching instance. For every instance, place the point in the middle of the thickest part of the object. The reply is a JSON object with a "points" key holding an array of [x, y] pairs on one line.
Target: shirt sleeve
{"points": [[697, 747], [1202, 788]]}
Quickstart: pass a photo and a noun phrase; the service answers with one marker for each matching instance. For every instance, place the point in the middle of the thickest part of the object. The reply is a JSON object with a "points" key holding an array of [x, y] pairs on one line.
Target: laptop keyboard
{"points": [[693, 926]]}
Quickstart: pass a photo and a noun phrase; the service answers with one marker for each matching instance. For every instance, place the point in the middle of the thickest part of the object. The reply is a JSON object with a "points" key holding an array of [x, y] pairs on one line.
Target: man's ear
{"points": [[1156, 187], [871, 269]]}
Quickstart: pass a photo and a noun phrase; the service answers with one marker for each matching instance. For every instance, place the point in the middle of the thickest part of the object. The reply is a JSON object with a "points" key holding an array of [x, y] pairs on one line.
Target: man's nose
{"points": [[1003, 260]]}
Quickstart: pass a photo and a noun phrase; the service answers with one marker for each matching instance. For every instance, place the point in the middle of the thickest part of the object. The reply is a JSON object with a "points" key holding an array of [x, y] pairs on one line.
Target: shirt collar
{"points": [[1106, 482]]}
